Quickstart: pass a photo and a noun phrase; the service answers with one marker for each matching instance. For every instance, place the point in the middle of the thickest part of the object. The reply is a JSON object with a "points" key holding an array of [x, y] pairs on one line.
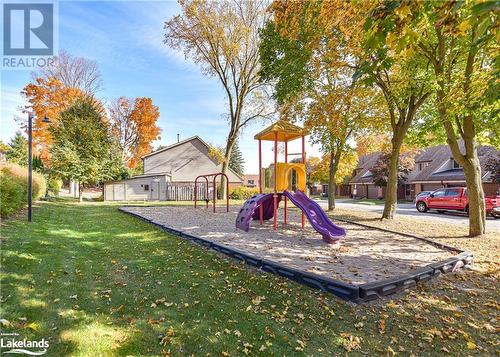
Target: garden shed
{"points": [[138, 188]]}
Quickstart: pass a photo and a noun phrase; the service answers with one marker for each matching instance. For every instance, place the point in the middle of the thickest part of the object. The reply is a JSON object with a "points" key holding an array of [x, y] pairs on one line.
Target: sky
{"points": [[126, 40]]}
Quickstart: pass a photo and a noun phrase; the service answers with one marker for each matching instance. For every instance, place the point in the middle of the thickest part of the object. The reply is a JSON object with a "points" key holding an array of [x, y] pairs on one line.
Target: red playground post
{"points": [[196, 190], [215, 189], [284, 132], [261, 209]]}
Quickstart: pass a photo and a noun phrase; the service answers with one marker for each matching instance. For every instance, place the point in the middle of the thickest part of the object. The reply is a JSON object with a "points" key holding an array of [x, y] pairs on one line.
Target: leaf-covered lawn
{"points": [[95, 281]]}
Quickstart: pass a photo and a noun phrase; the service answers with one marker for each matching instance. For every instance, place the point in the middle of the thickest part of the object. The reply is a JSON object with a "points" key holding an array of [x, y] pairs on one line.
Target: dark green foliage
{"points": [[38, 164], [18, 150], [83, 149], [236, 162]]}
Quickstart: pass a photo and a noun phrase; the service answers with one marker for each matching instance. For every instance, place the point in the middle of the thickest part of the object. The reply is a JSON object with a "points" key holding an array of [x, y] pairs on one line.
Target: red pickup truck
{"points": [[455, 199]]}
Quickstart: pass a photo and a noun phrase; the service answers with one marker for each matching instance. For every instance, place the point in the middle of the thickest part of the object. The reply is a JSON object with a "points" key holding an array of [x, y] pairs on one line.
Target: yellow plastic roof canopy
{"points": [[286, 131]]}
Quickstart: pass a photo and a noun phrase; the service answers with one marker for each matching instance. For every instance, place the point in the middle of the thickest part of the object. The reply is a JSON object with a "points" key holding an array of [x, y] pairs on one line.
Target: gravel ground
{"points": [[365, 255]]}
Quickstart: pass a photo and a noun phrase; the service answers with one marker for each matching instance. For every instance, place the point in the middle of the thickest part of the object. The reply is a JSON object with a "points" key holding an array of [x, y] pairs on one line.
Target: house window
{"points": [[454, 164], [250, 182], [422, 165], [146, 187]]}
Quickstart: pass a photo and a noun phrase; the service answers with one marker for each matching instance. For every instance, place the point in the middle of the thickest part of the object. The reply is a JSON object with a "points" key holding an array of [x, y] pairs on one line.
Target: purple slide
{"points": [[317, 217], [250, 210]]}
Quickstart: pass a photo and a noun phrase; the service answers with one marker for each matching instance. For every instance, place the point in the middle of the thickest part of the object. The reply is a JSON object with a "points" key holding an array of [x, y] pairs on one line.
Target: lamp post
{"points": [[30, 163]]}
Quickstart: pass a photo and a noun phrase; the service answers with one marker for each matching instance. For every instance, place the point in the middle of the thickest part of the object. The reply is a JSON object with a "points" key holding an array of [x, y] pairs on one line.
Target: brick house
{"points": [[251, 181], [434, 168]]}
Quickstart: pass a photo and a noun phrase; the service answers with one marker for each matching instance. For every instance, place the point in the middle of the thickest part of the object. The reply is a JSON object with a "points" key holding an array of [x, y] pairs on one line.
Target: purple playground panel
{"points": [[250, 210], [317, 217]]}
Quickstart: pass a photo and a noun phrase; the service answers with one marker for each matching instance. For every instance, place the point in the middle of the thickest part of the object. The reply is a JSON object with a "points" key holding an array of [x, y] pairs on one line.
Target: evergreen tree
{"points": [[83, 149], [236, 162], [18, 150]]}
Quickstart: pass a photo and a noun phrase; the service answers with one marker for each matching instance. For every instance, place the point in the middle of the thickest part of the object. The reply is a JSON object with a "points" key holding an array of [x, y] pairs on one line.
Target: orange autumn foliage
{"points": [[47, 97], [133, 122]]}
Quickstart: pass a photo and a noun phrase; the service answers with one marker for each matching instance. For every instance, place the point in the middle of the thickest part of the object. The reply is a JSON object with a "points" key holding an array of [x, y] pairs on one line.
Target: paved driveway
{"points": [[408, 209]]}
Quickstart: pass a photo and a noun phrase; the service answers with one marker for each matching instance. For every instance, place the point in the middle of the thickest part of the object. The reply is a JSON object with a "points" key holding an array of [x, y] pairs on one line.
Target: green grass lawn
{"points": [[95, 281], [368, 202]]}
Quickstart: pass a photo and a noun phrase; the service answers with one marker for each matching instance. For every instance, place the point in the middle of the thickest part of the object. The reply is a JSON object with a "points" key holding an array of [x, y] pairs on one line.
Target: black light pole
{"points": [[30, 163]]}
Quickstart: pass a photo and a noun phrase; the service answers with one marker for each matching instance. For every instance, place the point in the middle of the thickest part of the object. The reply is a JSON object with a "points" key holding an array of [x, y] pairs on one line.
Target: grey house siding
{"points": [[169, 174], [184, 162]]}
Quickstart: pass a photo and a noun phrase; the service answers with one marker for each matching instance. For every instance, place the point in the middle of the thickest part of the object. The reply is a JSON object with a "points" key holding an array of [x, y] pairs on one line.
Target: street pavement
{"points": [[408, 209]]}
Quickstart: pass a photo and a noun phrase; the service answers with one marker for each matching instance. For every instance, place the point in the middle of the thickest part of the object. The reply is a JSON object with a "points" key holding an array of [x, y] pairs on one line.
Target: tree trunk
{"points": [[477, 213], [391, 193], [469, 161], [470, 164], [332, 185], [225, 165], [331, 190], [80, 193]]}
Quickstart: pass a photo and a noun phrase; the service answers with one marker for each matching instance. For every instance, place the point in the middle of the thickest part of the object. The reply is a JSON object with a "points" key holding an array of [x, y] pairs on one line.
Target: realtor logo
{"points": [[11, 344], [28, 29]]}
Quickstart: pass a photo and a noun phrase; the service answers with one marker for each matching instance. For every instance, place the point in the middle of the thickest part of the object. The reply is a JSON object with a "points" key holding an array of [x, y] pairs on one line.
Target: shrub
{"points": [[55, 185], [14, 188], [243, 193]]}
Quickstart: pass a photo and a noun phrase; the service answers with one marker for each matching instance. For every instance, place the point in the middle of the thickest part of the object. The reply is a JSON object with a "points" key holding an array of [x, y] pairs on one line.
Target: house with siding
{"points": [[251, 181], [434, 168], [169, 174]]}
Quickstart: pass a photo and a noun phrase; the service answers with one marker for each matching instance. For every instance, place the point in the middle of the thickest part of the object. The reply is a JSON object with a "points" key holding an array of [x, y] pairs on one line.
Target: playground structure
{"points": [[286, 188], [215, 175]]}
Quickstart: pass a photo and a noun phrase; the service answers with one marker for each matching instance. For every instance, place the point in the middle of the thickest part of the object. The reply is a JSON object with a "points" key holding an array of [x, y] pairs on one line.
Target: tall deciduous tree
{"points": [[82, 148], [133, 122], [47, 97], [223, 38], [403, 78], [54, 89], [460, 41], [313, 54], [73, 72]]}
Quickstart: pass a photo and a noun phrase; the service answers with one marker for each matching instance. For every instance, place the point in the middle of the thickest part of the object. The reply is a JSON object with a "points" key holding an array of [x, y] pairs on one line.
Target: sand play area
{"points": [[364, 255]]}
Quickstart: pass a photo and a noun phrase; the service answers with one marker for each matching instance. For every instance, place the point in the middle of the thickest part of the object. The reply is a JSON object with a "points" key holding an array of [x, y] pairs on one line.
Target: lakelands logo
{"points": [[24, 346], [29, 36]]}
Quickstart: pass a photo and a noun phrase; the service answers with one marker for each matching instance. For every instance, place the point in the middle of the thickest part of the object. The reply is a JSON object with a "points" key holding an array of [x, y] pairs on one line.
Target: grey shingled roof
{"points": [[365, 163], [437, 156]]}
